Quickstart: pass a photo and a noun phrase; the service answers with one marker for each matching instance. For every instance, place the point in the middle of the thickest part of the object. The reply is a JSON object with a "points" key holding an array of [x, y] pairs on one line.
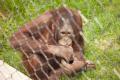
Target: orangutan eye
{"points": [[65, 32]]}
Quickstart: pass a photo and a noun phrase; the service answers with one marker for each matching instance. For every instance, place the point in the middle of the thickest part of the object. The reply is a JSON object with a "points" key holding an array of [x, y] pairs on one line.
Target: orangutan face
{"points": [[66, 33]]}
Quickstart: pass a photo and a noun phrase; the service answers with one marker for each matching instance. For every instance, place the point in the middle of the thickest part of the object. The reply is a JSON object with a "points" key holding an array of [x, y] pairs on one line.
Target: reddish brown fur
{"points": [[36, 60]]}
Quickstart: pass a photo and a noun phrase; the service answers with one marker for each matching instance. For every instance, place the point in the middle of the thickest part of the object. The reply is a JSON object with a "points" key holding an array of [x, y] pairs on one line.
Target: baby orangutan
{"points": [[52, 45]]}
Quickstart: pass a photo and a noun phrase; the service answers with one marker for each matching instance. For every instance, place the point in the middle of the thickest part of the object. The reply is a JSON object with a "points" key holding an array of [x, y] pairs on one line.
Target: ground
{"points": [[102, 32]]}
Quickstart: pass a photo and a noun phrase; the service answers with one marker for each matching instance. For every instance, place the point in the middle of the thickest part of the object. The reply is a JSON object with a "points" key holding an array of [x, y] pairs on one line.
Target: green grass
{"points": [[102, 32]]}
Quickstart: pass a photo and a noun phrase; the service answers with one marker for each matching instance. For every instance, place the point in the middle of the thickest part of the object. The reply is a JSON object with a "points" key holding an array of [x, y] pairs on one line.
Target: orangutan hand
{"points": [[75, 66]]}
